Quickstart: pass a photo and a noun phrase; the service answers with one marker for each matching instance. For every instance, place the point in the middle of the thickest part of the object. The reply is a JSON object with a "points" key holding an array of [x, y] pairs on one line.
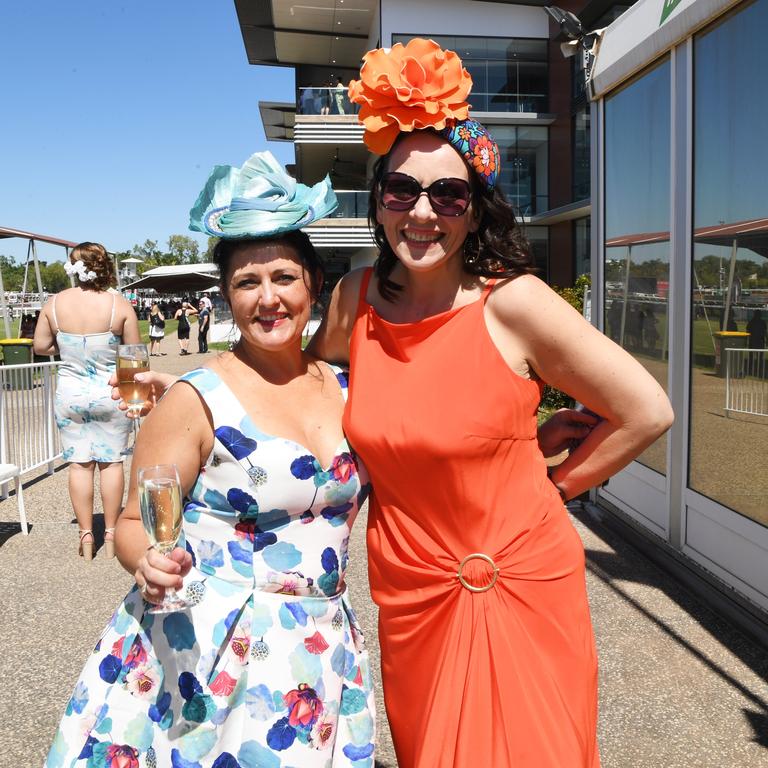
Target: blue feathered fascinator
{"points": [[258, 200]]}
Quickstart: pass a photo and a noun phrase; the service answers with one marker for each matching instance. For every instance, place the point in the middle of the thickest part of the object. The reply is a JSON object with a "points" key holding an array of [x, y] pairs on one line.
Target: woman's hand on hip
{"points": [[563, 430]]}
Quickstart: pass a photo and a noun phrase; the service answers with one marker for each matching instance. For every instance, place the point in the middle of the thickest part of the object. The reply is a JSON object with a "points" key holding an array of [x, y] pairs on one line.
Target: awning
{"points": [[177, 278], [191, 281]]}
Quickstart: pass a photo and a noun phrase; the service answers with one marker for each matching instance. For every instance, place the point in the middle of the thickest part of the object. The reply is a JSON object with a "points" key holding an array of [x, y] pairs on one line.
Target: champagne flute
{"points": [[132, 359], [160, 504]]}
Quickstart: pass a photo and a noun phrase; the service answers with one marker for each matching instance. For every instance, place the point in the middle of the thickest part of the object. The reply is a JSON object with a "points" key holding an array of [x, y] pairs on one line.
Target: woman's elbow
{"points": [[656, 417]]}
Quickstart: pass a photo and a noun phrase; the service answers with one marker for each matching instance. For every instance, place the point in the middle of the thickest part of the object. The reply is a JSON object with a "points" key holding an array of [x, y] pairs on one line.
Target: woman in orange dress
{"points": [[488, 655]]}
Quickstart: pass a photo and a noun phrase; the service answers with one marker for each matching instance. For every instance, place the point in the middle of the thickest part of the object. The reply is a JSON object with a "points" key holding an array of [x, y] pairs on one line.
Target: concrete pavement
{"points": [[679, 687]]}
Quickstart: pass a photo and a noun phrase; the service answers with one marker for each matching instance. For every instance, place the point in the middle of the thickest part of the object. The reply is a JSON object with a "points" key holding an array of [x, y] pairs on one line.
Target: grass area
{"points": [[170, 327]]}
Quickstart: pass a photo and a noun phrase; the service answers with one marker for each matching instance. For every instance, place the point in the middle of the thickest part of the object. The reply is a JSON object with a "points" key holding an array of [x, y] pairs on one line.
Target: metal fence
{"points": [[28, 434], [746, 385]]}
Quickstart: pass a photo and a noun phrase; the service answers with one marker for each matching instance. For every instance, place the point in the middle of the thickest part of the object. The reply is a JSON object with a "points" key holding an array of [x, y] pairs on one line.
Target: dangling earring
{"points": [[472, 248]]}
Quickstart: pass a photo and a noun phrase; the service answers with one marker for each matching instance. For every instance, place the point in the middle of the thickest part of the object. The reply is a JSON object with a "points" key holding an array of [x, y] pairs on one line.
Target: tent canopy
{"points": [[179, 277]]}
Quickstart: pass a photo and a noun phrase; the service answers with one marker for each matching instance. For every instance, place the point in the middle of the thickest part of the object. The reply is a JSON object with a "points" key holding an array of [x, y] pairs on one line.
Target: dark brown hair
{"points": [[95, 259], [497, 249]]}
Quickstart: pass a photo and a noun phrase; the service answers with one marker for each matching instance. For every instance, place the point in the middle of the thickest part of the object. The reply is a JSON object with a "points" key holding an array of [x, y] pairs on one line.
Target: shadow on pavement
{"points": [[628, 564]]}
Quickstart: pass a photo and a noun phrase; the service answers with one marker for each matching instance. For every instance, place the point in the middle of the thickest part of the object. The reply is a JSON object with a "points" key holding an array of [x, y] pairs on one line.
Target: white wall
{"points": [[458, 17]]}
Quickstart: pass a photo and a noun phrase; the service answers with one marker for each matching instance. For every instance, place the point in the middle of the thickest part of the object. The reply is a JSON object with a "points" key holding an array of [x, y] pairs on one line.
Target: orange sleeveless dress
{"points": [[505, 677]]}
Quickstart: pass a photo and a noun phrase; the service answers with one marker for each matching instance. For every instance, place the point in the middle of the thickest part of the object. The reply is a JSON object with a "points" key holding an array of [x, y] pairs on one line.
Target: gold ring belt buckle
{"points": [[472, 587]]}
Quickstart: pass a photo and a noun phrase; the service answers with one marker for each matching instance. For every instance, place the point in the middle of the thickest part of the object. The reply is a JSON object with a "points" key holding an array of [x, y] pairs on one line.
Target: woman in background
{"points": [[84, 325], [156, 330], [183, 314]]}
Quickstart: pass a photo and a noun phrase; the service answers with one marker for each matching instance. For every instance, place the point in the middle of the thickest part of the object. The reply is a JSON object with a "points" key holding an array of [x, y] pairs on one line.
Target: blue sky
{"points": [[115, 112]]}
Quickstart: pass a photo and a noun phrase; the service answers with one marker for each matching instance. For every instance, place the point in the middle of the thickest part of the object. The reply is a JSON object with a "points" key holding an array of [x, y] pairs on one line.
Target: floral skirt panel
{"points": [[90, 425], [267, 667]]}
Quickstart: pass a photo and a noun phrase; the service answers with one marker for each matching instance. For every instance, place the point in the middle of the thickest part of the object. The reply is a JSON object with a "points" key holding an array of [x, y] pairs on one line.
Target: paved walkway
{"points": [[679, 688]]}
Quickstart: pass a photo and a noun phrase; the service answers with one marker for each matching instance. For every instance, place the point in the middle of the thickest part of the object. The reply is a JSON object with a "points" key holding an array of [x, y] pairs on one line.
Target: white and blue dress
{"points": [[267, 668], [91, 426]]}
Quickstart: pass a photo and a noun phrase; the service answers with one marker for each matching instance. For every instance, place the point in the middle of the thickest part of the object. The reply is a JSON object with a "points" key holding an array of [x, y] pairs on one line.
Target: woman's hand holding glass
{"points": [[157, 383], [161, 514], [132, 361]]}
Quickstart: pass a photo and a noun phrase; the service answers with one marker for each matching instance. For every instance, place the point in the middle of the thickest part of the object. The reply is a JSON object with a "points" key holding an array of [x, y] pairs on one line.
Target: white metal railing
{"points": [[746, 385], [28, 434]]}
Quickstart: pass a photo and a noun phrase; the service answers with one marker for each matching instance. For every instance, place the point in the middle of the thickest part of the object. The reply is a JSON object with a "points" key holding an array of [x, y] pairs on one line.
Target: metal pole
{"points": [[626, 296], [37, 275], [4, 308], [731, 270]]}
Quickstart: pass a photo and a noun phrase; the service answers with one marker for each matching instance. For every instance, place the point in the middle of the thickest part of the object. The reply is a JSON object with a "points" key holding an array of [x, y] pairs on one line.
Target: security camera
{"points": [[570, 26]]}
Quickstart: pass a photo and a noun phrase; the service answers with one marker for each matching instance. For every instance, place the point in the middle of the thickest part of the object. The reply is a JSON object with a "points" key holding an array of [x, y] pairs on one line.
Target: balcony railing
{"points": [[524, 204], [325, 101], [352, 205], [330, 101], [508, 102]]}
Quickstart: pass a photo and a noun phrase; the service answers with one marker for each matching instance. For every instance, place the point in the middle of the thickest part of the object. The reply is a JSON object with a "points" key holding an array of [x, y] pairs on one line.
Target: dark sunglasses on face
{"points": [[448, 197]]}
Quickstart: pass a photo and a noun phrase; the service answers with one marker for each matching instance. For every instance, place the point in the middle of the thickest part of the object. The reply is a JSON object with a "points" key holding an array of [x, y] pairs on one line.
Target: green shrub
{"points": [[552, 399]]}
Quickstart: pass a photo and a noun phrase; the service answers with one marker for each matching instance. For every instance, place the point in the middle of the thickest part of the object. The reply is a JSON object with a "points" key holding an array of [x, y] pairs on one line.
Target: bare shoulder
{"points": [[528, 300], [349, 286], [180, 409], [122, 302]]}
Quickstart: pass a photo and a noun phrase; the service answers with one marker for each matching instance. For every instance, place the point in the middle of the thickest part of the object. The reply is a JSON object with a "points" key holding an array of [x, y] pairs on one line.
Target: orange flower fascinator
{"points": [[407, 88]]}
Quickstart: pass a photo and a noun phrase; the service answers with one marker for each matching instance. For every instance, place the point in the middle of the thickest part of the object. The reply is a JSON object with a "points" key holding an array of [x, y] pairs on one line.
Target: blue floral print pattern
{"points": [[267, 668], [90, 424]]}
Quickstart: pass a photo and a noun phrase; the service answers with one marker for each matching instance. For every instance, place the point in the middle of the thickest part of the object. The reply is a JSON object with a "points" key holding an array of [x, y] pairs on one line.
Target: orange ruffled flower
{"points": [[409, 88]]}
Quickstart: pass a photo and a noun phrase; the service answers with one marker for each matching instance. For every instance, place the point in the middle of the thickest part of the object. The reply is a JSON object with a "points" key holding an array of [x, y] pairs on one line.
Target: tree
{"points": [[208, 255], [13, 273], [54, 277], [149, 254], [183, 250]]}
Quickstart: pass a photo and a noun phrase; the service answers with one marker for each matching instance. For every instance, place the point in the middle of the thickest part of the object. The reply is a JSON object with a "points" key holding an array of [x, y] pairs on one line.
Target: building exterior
{"points": [[680, 274], [518, 93], [649, 175]]}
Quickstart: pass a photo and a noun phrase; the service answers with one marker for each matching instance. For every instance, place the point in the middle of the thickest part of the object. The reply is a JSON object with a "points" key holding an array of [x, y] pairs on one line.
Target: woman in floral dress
{"points": [[267, 666]]}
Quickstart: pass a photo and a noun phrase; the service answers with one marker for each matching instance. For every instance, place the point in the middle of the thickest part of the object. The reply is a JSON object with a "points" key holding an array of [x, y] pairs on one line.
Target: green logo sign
{"points": [[669, 6]]}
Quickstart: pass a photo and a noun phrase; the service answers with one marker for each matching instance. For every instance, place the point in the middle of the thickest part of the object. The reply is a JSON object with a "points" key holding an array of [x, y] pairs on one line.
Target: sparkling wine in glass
{"points": [[132, 359], [160, 504]]}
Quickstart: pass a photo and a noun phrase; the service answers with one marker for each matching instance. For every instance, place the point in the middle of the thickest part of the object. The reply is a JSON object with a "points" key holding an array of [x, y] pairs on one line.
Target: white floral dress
{"points": [[90, 425], [267, 669]]}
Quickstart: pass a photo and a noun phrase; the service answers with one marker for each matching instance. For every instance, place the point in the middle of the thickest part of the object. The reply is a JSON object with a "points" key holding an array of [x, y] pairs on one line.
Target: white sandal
{"points": [[109, 544], [85, 550]]}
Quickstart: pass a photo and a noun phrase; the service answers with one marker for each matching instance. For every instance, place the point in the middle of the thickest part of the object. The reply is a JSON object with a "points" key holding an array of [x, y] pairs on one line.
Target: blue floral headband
{"points": [[258, 200], [473, 142]]}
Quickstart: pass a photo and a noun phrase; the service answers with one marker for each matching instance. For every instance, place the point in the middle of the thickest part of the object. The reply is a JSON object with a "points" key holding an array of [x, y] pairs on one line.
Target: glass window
{"points": [[582, 238], [524, 166], [637, 211], [581, 145], [538, 238], [729, 299], [508, 74]]}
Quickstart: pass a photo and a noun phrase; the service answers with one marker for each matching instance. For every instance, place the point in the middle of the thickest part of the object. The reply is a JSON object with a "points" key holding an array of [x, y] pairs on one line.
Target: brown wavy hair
{"points": [[497, 249], [96, 259]]}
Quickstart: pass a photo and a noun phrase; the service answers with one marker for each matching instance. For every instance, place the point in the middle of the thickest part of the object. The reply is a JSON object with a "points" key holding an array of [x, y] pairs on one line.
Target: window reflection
{"points": [[508, 74], [729, 391], [637, 200], [524, 162]]}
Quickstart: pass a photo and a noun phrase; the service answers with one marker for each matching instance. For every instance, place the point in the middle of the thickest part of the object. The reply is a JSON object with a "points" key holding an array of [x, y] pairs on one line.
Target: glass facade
{"points": [[729, 280], [581, 160], [582, 232], [508, 74], [538, 239], [524, 166], [637, 215]]}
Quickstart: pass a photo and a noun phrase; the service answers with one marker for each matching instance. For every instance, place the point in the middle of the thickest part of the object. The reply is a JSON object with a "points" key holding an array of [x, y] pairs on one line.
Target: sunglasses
{"points": [[448, 197]]}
